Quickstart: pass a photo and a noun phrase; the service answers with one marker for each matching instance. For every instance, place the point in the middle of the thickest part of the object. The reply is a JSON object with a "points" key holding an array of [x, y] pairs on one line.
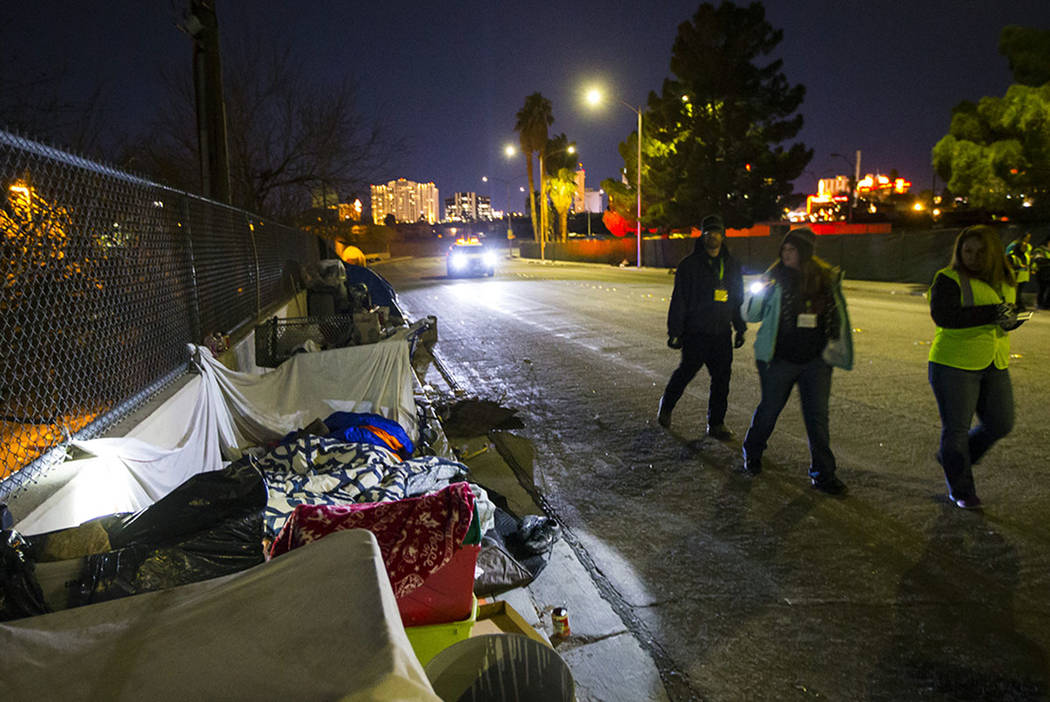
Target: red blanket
{"points": [[417, 535]]}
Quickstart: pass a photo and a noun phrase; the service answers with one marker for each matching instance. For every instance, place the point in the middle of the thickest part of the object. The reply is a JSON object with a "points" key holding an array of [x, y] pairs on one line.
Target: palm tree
{"points": [[533, 119], [562, 187]]}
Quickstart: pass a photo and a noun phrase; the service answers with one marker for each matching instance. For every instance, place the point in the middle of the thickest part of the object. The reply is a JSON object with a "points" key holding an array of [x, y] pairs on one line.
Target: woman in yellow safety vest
{"points": [[972, 302]]}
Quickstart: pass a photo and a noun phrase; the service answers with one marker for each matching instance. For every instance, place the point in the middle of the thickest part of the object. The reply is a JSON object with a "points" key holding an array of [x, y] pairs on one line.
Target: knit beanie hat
{"points": [[711, 223], [802, 239]]}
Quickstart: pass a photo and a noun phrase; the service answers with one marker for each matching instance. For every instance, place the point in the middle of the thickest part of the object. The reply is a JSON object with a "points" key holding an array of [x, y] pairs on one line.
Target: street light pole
{"points": [[594, 96], [510, 227]]}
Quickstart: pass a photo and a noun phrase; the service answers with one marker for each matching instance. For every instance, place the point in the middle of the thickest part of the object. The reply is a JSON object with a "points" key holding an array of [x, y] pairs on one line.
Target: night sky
{"points": [[880, 77]]}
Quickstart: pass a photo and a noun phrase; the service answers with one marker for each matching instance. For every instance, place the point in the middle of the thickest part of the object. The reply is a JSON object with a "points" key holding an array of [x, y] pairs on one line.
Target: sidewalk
{"points": [[606, 660]]}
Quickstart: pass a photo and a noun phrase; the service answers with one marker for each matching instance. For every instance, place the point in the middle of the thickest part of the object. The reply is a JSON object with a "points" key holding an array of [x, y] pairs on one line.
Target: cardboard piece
{"points": [[498, 617]]}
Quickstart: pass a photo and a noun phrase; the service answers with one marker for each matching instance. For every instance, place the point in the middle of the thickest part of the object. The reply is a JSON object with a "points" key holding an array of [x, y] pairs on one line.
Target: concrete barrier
{"points": [[899, 255]]}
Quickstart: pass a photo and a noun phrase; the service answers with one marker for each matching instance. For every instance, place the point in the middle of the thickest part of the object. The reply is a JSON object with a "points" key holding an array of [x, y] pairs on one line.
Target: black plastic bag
{"points": [[20, 594], [229, 547], [204, 500]]}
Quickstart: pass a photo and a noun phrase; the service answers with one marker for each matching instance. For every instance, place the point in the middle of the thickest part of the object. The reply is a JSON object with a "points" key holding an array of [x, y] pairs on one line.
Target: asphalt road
{"points": [[763, 589]]}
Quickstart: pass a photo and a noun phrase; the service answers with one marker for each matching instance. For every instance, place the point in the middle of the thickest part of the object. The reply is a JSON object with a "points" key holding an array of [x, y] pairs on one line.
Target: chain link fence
{"points": [[105, 279]]}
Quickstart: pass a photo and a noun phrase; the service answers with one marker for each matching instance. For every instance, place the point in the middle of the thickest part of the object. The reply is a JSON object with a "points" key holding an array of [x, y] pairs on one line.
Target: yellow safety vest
{"points": [[973, 348]]}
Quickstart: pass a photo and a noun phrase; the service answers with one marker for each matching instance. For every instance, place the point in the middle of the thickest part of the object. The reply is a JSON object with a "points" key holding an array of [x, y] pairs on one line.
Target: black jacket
{"points": [[694, 309]]}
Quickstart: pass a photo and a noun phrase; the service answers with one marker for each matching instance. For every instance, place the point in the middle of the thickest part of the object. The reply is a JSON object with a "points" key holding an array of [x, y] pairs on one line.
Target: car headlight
{"points": [[489, 259], [457, 260]]}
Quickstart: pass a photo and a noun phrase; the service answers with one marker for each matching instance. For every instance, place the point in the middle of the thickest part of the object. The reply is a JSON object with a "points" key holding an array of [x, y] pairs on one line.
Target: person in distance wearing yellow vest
{"points": [[1019, 256], [972, 302]]}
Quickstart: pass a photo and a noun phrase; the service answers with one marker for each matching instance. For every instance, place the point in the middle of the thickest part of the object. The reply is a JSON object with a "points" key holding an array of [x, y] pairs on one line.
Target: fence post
{"points": [[195, 320], [255, 259]]}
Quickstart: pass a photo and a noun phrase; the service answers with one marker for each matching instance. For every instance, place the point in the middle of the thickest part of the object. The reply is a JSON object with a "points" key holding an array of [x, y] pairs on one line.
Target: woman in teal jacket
{"points": [[805, 331]]}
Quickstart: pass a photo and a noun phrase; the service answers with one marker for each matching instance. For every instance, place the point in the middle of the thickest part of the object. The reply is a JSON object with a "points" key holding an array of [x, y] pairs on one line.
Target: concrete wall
{"points": [[906, 256]]}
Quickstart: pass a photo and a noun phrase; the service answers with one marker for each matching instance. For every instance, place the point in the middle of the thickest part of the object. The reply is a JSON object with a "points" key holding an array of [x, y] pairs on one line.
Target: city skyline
{"points": [[450, 79]]}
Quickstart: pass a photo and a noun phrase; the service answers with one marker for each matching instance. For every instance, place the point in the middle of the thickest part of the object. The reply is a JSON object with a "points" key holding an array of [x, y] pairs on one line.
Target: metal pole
{"points": [[510, 224], [211, 108], [542, 236], [638, 187]]}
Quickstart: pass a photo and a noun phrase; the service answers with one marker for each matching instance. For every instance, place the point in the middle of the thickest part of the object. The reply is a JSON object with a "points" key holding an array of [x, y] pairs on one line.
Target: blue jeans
{"points": [[960, 394], [814, 388]]}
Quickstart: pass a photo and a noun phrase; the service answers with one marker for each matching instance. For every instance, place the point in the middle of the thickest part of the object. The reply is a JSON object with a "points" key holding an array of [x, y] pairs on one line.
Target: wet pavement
{"points": [[761, 588]]}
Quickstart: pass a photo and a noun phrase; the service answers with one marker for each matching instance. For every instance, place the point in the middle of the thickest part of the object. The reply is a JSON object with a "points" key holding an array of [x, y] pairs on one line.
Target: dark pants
{"points": [[960, 394], [716, 352], [814, 389], [1042, 280]]}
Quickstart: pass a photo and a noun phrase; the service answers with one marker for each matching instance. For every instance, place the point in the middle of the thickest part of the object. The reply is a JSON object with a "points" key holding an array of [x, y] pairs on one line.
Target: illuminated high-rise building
{"points": [[468, 207], [407, 200]]}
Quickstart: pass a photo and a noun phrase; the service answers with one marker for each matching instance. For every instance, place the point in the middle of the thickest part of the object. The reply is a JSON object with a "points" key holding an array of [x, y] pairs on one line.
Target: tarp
{"points": [[321, 622], [227, 412]]}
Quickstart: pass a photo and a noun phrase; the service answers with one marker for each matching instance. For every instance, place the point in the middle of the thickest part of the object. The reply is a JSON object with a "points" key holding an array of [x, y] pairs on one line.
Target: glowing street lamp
{"points": [[509, 151], [594, 97]]}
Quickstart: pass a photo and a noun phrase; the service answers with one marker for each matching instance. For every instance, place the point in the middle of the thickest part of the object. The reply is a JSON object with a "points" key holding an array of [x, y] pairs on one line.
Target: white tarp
{"points": [[318, 623], [222, 412]]}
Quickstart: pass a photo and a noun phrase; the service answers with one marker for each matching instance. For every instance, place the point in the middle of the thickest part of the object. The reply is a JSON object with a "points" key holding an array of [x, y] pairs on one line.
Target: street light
{"points": [[594, 97], [509, 151]]}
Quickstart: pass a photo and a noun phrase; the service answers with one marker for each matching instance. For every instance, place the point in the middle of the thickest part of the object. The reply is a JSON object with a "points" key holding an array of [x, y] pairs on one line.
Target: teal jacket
{"points": [[762, 304]]}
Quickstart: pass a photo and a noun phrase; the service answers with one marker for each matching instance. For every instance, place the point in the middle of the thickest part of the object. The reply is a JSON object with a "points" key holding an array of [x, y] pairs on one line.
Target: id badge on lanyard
{"points": [[721, 294], [807, 320]]}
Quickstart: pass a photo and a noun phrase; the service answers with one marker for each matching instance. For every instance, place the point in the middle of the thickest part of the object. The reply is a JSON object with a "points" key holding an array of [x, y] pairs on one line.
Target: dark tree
{"points": [[561, 153], [722, 149], [531, 123], [997, 152], [1028, 51], [289, 134], [50, 106]]}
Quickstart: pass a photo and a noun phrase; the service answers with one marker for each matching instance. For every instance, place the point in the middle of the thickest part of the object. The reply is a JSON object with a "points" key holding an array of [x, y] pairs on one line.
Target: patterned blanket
{"points": [[417, 536], [316, 470]]}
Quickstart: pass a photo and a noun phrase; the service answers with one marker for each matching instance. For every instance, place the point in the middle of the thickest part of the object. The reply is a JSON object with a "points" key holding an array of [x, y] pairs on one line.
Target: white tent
{"points": [[219, 413]]}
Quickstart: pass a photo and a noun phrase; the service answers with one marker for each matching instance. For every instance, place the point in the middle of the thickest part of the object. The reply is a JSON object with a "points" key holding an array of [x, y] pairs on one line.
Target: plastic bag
{"points": [[538, 534], [20, 594], [230, 547]]}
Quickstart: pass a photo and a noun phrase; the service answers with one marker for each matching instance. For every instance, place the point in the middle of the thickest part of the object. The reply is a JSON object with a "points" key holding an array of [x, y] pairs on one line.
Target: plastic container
{"points": [[501, 668], [447, 595], [430, 640]]}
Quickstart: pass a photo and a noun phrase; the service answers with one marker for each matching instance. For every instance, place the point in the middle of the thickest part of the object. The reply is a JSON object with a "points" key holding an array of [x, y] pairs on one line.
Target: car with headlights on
{"points": [[470, 255]]}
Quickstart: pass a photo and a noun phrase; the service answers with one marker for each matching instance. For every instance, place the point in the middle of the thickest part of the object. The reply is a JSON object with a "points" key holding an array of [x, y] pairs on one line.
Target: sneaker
{"points": [[971, 502], [750, 467], [829, 486], [720, 432], [663, 416]]}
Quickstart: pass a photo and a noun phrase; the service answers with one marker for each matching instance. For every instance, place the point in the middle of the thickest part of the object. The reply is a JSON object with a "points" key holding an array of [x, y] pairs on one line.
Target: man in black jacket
{"points": [[704, 311]]}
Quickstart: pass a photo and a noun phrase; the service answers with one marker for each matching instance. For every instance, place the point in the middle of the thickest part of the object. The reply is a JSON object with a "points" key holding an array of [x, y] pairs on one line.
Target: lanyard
{"points": [[721, 269]]}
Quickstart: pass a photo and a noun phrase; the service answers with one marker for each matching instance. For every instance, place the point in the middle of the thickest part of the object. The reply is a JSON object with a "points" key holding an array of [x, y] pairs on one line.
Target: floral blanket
{"points": [[416, 536]]}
